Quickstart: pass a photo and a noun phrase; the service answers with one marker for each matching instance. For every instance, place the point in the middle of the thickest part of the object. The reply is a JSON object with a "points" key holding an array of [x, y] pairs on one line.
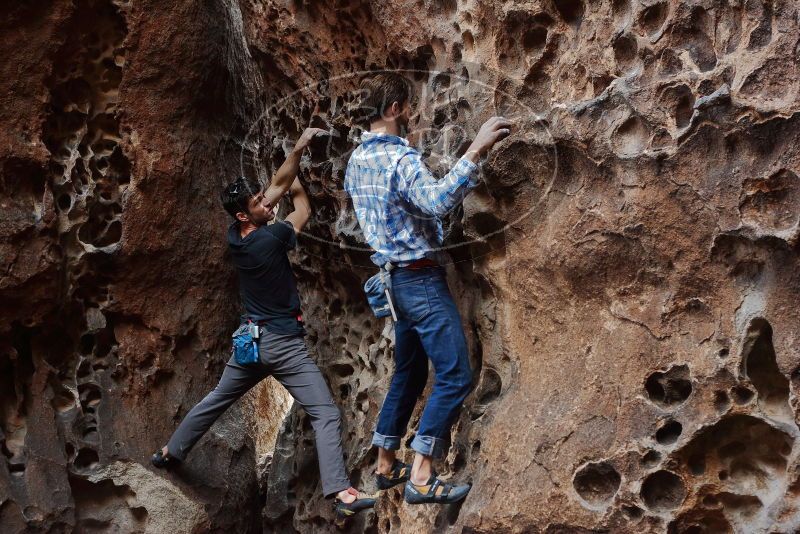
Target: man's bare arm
{"points": [[302, 206], [287, 172]]}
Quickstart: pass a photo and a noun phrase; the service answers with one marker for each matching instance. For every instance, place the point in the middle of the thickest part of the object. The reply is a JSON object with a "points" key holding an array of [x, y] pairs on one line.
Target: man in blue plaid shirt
{"points": [[399, 205]]}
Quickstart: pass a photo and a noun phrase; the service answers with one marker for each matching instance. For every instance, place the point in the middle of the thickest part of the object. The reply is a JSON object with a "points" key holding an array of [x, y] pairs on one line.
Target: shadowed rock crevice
{"points": [[744, 463], [760, 367], [105, 506]]}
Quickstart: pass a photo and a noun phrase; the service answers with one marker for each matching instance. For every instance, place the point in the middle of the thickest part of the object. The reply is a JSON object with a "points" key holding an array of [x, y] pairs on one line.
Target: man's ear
{"points": [[395, 109], [242, 216]]}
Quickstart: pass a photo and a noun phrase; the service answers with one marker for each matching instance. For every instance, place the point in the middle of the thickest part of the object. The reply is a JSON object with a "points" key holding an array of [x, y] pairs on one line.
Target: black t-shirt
{"points": [[266, 281]]}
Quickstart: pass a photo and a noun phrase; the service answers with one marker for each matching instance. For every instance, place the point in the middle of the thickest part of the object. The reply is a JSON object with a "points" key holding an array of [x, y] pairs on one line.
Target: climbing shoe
{"points": [[435, 491], [163, 462], [397, 475], [349, 509]]}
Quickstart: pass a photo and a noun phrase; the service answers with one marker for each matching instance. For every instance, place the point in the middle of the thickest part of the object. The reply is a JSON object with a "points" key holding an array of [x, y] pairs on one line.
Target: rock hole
{"points": [[16, 468], [745, 506], [760, 366], [631, 138], [87, 343], [63, 399], [669, 433], [90, 435], [490, 386], [663, 491], [692, 35], [743, 449], [650, 459], [64, 202], [697, 464], [597, 483], [105, 507], [570, 10], [476, 449], [342, 369], [742, 394], [90, 395], [684, 109], [600, 84], [86, 459], [625, 49], [721, 401], [653, 17], [670, 388], [620, 9], [534, 39], [632, 512], [762, 34], [469, 42], [731, 449], [708, 523], [139, 513]]}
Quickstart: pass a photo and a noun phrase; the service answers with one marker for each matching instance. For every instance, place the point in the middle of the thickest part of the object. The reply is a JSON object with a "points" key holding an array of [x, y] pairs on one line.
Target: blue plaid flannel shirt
{"points": [[398, 202]]}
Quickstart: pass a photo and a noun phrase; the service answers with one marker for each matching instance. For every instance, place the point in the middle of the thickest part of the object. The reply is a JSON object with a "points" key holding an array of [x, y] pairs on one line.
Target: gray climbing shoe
{"points": [[349, 509], [435, 491]]}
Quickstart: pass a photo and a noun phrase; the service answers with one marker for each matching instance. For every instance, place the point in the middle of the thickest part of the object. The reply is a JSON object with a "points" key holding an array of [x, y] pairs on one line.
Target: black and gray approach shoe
{"points": [[349, 509], [435, 491], [399, 474]]}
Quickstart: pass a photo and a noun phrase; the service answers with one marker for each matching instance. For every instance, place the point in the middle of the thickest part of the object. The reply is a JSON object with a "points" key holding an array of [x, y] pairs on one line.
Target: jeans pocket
{"points": [[412, 300], [439, 293]]}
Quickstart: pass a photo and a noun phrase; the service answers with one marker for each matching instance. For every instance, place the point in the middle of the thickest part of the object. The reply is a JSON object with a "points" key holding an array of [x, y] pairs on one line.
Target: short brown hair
{"points": [[379, 91]]}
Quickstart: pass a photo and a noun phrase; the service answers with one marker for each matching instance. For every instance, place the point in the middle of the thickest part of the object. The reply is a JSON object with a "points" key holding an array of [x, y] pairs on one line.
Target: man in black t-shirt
{"points": [[270, 299]]}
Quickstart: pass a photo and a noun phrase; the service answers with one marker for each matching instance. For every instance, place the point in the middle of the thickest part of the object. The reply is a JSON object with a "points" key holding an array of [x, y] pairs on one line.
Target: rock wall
{"points": [[627, 272]]}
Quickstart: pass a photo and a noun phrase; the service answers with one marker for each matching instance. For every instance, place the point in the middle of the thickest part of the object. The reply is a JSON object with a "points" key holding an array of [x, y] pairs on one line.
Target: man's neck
{"points": [[246, 228], [385, 127]]}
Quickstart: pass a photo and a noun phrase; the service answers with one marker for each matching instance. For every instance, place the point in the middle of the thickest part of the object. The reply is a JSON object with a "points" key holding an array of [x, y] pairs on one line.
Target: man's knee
{"points": [[220, 394], [458, 377], [326, 414], [465, 383]]}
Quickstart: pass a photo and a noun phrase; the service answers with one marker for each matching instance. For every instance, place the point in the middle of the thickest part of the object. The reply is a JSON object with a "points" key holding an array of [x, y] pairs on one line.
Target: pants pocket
{"points": [[412, 300]]}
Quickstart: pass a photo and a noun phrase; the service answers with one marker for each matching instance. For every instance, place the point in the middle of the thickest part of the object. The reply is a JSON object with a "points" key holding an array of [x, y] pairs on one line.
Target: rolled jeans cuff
{"points": [[430, 446], [390, 443]]}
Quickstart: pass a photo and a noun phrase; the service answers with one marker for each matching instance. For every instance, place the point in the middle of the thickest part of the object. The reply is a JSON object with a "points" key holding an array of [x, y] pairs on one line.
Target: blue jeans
{"points": [[428, 327]]}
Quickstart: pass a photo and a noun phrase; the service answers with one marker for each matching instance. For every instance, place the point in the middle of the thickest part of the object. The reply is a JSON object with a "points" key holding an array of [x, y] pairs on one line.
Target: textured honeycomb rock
{"points": [[627, 272]]}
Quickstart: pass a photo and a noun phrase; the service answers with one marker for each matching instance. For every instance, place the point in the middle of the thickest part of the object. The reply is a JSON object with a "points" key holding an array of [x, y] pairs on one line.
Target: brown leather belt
{"points": [[424, 263]]}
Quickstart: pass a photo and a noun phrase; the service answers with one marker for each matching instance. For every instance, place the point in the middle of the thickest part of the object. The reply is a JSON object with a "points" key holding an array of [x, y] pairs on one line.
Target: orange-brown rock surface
{"points": [[627, 272]]}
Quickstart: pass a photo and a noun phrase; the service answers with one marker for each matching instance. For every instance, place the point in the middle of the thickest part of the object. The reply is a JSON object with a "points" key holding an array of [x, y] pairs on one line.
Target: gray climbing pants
{"points": [[286, 358]]}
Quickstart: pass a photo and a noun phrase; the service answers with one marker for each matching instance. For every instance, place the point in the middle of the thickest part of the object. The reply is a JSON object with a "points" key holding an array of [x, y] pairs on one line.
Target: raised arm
{"points": [[287, 172], [437, 197], [432, 196], [302, 206]]}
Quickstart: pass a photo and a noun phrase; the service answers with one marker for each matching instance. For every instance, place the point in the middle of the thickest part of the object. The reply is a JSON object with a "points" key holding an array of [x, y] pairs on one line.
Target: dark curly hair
{"points": [[236, 196]]}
